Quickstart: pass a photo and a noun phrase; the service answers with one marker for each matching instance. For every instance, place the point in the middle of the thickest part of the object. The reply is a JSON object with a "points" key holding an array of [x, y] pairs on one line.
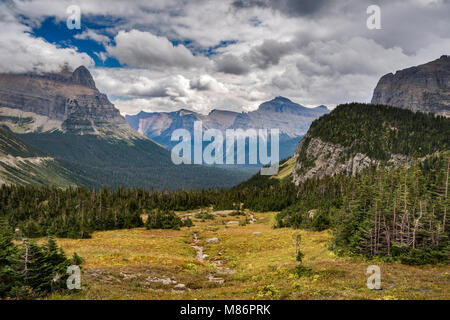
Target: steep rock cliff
{"points": [[423, 88]]}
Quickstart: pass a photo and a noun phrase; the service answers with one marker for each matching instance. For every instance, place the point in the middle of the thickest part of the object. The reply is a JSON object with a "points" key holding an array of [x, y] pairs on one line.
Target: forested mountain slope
{"points": [[354, 136], [128, 163], [25, 165]]}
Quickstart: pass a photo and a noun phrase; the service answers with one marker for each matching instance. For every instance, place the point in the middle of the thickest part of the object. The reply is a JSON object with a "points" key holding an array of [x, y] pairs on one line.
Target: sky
{"points": [[164, 55]]}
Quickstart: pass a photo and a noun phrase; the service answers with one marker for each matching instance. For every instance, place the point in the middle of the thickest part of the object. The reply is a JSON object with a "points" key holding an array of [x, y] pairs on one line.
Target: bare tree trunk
{"points": [[26, 258], [395, 219], [388, 236], [445, 195], [416, 226], [405, 211]]}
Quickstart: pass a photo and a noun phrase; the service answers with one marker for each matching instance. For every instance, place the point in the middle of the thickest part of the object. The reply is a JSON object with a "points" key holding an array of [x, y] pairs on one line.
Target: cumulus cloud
{"points": [[206, 82], [21, 52], [89, 34], [144, 49], [269, 53], [230, 63]]}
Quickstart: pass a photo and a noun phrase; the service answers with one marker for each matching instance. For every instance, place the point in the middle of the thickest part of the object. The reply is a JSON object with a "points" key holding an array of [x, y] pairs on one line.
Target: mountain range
{"points": [[292, 119]]}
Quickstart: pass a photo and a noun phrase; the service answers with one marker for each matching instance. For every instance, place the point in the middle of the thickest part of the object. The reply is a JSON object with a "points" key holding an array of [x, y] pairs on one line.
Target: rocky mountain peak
{"points": [[281, 99], [280, 104], [65, 101], [423, 88], [82, 76]]}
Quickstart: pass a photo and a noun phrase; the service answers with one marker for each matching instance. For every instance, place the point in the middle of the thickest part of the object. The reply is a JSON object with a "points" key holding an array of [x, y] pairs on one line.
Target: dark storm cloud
{"points": [[269, 53], [288, 7], [262, 56], [231, 64]]}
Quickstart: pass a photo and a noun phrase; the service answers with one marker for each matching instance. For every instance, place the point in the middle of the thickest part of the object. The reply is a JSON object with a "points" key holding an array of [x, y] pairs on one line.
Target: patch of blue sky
{"points": [[204, 51], [56, 32]]}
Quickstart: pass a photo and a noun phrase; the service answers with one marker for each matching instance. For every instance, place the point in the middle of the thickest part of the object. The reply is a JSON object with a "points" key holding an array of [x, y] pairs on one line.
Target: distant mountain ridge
{"points": [[292, 119], [423, 88]]}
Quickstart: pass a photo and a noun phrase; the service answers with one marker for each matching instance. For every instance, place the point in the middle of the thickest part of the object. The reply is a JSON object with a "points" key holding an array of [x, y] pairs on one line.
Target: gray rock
{"points": [[211, 278], [66, 101], [212, 240], [180, 286], [423, 88], [329, 159], [165, 281]]}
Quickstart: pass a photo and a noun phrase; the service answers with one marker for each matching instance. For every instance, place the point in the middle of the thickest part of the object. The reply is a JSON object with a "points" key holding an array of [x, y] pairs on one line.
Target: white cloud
{"points": [[22, 52], [206, 82], [143, 49], [89, 34]]}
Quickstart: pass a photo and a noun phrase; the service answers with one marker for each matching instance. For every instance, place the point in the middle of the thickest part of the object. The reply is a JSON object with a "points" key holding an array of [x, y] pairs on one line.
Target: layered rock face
{"points": [[321, 158], [423, 88], [65, 101]]}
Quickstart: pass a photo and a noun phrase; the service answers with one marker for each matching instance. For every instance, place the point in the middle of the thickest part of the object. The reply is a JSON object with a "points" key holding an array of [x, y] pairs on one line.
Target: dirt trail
{"points": [[200, 256]]}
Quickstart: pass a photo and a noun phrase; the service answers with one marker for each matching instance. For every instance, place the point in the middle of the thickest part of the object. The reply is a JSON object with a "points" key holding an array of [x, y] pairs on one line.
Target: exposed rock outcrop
{"points": [[423, 88], [322, 159]]}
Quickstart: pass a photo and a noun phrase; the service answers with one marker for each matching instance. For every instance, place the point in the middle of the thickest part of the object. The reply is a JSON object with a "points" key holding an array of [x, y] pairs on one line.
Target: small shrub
{"points": [[190, 266], [187, 223], [158, 219], [302, 270], [299, 256], [268, 291], [204, 215], [243, 222]]}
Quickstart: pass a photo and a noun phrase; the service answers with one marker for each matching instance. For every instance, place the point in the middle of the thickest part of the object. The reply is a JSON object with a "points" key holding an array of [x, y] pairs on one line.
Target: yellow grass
{"points": [[285, 169], [119, 263]]}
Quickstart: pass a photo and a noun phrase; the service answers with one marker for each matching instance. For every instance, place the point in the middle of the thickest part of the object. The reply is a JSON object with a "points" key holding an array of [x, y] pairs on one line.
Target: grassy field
{"points": [[250, 261]]}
